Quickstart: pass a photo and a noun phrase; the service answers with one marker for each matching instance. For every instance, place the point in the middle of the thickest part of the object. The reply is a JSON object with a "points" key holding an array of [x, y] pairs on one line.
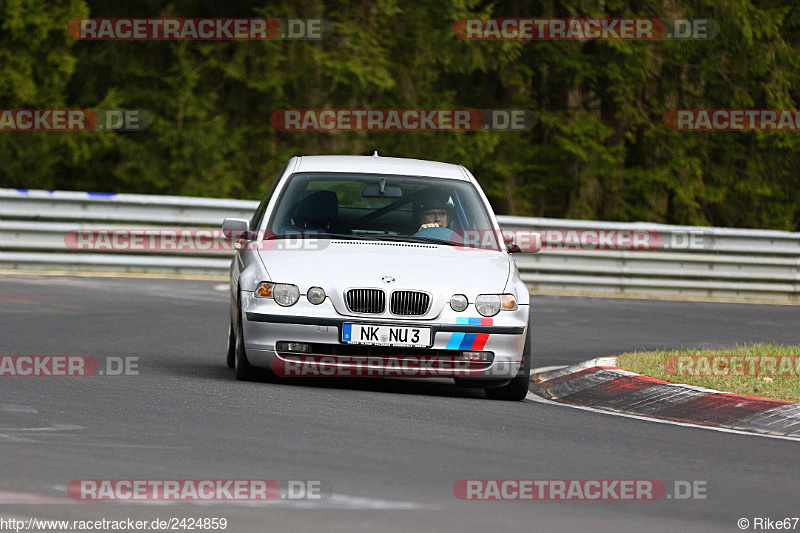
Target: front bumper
{"points": [[265, 323]]}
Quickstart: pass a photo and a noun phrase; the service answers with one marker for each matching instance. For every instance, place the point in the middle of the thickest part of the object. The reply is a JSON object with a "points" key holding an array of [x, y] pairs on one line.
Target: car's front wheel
{"points": [[231, 356], [244, 370], [517, 389]]}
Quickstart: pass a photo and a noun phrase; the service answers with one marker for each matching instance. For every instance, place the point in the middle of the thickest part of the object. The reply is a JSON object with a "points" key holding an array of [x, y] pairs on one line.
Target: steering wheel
{"points": [[443, 234]]}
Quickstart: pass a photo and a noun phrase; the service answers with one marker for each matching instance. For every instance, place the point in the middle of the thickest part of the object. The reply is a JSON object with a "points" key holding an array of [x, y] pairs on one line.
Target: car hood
{"points": [[339, 265]]}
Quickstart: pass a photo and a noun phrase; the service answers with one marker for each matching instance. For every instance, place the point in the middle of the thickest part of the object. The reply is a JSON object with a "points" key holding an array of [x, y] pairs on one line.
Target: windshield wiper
{"points": [[351, 236], [411, 238], [370, 237], [303, 234]]}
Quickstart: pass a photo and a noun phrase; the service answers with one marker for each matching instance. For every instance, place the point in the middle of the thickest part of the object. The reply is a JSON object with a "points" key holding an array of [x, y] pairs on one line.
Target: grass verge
{"points": [[764, 370]]}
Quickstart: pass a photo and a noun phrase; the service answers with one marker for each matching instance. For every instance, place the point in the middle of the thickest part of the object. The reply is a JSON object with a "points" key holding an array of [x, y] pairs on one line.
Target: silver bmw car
{"points": [[377, 266]]}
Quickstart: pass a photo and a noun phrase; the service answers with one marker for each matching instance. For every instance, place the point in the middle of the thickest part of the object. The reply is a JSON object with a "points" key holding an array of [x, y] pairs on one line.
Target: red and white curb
{"points": [[600, 384]]}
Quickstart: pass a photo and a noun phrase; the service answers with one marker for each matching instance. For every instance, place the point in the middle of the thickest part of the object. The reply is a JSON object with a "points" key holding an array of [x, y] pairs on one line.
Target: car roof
{"points": [[379, 165]]}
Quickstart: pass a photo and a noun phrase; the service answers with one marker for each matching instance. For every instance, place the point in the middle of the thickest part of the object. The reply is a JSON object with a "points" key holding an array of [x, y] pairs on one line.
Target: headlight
{"points": [[316, 295], [488, 304], [459, 302], [284, 294], [491, 304]]}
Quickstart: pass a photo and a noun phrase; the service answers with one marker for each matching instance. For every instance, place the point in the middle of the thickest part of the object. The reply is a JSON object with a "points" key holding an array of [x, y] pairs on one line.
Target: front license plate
{"points": [[386, 335]]}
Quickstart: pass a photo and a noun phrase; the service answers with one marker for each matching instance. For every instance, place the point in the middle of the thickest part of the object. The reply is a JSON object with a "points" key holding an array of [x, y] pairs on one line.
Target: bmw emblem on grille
{"points": [[387, 279]]}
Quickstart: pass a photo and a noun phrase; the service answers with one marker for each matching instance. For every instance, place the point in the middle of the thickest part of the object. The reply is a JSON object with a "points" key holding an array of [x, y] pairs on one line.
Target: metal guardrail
{"points": [[731, 263]]}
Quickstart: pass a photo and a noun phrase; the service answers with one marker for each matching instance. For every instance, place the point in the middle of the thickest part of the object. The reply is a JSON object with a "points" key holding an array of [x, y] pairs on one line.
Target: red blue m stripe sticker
{"points": [[467, 341]]}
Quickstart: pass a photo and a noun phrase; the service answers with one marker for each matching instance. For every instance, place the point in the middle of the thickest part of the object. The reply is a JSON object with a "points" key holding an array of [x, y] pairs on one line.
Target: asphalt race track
{"points": [[390, 449]]}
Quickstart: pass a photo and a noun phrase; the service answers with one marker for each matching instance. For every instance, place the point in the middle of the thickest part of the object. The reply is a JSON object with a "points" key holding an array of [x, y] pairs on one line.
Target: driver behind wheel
{"points": [[434, 210]]}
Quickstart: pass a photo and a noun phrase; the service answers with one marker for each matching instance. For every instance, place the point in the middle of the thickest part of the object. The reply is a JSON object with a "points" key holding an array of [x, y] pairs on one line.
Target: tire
{"points": [[517, 390], [244, 371], [231, 357]]}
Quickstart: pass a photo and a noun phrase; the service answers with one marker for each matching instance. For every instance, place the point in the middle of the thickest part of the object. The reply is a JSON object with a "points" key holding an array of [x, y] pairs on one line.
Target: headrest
{"points": [[433, 198], [318, 208]]}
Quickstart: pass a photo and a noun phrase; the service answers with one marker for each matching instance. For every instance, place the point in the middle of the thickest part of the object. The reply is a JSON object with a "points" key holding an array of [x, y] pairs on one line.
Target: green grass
{"points": [[763, 383]]}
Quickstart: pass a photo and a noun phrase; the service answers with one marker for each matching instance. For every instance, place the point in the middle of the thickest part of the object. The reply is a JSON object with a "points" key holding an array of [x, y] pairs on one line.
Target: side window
{"points": [[258, 216]]}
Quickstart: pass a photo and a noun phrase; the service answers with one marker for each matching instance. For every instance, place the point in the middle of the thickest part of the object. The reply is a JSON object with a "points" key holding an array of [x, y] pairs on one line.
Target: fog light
{"points": [[297, 347], [486, 357]]}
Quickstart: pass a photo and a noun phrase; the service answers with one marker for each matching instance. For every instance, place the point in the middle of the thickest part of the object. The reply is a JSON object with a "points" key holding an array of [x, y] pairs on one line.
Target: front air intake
{"points": [[366, 301], [410, 303]]}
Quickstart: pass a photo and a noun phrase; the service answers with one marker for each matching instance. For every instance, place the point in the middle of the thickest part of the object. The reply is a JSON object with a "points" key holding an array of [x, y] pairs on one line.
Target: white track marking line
{"points": [[27, 498], [112, 445], [16, 408], [54, 427], [14, 439]]}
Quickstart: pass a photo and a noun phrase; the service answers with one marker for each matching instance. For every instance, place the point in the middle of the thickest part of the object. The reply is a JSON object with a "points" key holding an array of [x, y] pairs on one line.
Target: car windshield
{"points": [[382, 207]]}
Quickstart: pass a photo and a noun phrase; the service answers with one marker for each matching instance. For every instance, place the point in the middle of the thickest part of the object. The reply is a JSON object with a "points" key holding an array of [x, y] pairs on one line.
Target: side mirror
{"points": [[532, 241], [508, 240], [236, 228]]}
